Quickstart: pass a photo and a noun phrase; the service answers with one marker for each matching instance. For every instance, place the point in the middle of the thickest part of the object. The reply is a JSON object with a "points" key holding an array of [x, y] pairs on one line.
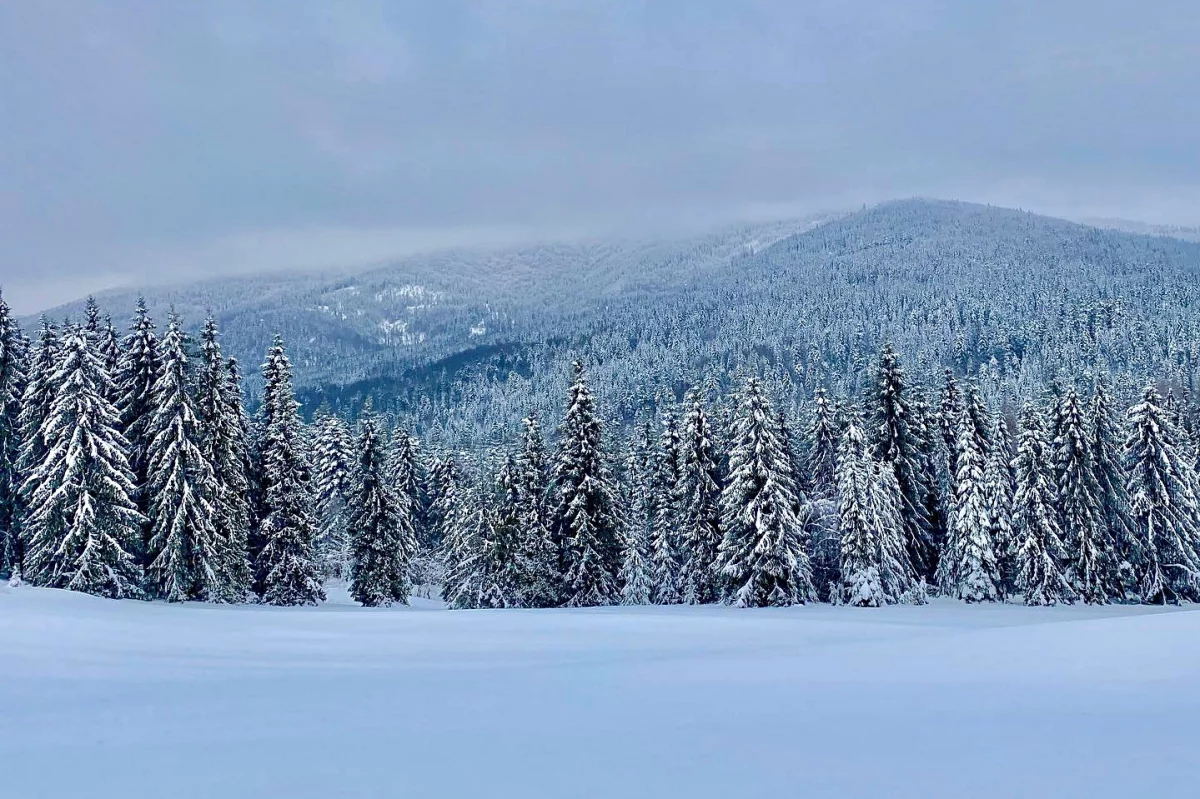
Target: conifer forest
{"points": [[138, 460]]}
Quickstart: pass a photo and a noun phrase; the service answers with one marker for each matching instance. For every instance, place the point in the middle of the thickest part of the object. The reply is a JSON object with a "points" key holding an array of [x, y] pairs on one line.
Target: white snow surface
{"points": [[127, 699]]}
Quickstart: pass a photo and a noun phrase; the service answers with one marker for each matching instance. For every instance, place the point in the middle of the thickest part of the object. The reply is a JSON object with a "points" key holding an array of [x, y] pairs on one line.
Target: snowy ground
{"points": [[125, 699]]}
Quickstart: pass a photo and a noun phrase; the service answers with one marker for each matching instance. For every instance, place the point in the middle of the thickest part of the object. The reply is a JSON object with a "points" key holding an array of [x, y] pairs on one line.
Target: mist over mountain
{"points": [[461, 344]]}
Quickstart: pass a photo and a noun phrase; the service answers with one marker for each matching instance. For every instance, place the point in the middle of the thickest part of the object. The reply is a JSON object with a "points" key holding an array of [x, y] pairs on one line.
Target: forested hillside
{"points": [[459, 346]]}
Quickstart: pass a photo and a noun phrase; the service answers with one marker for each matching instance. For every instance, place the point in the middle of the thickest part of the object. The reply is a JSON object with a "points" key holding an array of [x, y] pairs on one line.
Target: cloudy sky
{"points": [[162, 140]]}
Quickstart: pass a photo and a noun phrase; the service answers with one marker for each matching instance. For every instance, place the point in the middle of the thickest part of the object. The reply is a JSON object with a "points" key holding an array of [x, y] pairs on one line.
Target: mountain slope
{"points": [[460, 345]]}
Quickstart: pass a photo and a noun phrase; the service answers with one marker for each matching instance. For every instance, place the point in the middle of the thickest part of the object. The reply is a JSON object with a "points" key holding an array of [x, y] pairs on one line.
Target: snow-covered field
{"points": [[126, 699]]}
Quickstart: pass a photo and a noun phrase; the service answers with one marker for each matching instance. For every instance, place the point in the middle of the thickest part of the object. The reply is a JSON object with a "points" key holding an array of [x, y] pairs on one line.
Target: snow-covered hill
{"points": [[129, 699], [459, 346]]}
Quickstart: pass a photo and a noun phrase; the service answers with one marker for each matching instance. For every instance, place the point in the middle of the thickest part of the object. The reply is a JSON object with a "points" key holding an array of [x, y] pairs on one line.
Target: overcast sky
{"points": [[158, 140]]}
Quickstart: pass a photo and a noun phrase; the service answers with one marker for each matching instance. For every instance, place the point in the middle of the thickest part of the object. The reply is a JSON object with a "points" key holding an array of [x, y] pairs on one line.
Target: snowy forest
{"points": [[131, 466]]}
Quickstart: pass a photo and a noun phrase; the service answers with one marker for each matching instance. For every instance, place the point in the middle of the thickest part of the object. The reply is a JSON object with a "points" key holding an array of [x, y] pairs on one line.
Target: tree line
{"points": [[130, 468]]}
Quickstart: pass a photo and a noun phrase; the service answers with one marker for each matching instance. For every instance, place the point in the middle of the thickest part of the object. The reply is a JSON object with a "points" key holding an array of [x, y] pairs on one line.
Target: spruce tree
{"points": [[821, 459], [999, 489], [37, 395], [968, 568], [110, 354], [380, 527], [586, 516], [762, 560], [949, 412], [1112, 500], [1162, 504], [184, 549], [222, 422], [135, 380], [535, 554], [1089, 567], [405, 466], [12, 384], [1038, 551], [468, 548], [897, 437], [665, 551], [861, 550], [286, 569], [333, 469], [700, 506], [636, 574], [81, 522]]}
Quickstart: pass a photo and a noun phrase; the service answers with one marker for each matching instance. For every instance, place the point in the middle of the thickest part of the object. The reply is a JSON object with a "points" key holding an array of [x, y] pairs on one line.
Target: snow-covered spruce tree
{"points": [[1162, 505], [1089, 566], [12, 384], [445, 479], [820, 472], [1038, 551], [968, 568], [219, 408], [535, 552], [999, 488], [950, 410], [93, 325], [38, 393], [134, 380], [762, 561], [636, 574], [184, 548], [405, 468], [81, 521], [1113, 502], [508, 570], [821, 456], [286, 568], [586, 517], [700, 505], [469, 551], [382, 539], [665, 553], [333, 465], [897, 438], [110, 355], [861, 569]]}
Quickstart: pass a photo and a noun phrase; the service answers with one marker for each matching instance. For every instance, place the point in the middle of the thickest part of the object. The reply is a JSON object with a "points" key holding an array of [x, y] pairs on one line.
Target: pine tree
{"points": [[82, 522], [1162, 504], [12, 384], [184, 547], [897, 439], [535, 553], [223, 440], [968, 568], [286, 568], [1090, 571], [135, 380], [700, 502], [999, 488], [664, 545], [1038, 551], [333, 469], [1112, 501], [761, 557], [587, 522], [381, 533]]}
